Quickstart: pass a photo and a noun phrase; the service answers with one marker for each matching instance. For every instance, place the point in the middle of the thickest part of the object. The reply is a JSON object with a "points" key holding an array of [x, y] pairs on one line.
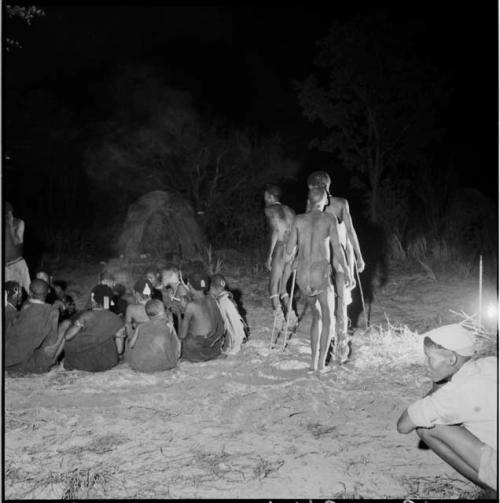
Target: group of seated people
{"points": [[151, 328]]}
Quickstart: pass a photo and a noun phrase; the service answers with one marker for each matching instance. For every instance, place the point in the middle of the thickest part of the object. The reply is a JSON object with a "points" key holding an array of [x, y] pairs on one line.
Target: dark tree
{"points": [[375, 95]]}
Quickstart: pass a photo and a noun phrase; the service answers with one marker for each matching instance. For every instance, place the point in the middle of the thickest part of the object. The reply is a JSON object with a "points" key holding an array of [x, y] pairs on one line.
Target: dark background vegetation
{"points": [[398, 103]]}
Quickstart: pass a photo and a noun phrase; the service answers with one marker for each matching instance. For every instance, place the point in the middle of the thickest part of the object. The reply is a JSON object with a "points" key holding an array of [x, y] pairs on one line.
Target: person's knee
{"points": [[422, 433]]}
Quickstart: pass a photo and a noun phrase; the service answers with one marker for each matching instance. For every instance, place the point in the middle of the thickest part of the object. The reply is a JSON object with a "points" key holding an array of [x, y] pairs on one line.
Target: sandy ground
{"points": [[255, 425]]}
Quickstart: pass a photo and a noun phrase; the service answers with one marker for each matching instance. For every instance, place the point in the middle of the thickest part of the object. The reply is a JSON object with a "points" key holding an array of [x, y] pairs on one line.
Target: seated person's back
{"points": [[154, 345], [13, 296], [202, 329], [90, 340], [136, 313], [30, 337]]}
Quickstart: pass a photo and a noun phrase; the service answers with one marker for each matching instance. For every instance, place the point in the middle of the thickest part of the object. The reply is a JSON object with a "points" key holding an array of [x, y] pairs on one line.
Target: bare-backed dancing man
{"points": [[280, 218], [339, 208], [313, 232]]}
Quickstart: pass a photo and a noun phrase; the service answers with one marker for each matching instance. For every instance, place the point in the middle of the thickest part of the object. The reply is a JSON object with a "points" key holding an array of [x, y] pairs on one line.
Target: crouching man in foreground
{"points": [[458, 417]]}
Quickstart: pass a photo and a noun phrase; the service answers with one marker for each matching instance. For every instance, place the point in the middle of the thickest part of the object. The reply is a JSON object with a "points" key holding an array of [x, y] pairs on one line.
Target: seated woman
{"points": [[154, 346], [202, 329], [95, 338], [136, 313], [13, 295], [33, 341], [236, 328]]}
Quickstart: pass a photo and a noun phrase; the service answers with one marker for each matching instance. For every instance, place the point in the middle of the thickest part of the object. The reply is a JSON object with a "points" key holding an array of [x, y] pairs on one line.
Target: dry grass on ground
{"points": [[255, 425]]}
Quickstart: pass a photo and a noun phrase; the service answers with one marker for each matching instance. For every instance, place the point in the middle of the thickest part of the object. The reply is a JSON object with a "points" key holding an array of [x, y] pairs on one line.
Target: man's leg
{"points": [[315, 330], [327, 305], [275, 276], [458, 447], [342, 342]]}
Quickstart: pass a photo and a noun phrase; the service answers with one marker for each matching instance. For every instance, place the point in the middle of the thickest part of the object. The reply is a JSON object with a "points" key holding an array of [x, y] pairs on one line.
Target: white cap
{"points": [[455, 338]]}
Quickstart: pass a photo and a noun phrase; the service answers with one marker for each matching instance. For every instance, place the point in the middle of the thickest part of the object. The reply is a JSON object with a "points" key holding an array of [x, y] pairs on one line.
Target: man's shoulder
{"points": [[485, 367], [338, 201]]}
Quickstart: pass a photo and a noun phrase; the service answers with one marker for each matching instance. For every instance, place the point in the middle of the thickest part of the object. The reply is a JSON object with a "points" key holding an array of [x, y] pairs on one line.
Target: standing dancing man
{"points": [[314, 232], [339, 208], [280, 218]]}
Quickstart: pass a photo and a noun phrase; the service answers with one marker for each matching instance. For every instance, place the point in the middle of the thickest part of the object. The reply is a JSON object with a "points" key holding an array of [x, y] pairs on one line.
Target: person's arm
{"points": [[185, 322], [19, 232], [339, 252], [291, 242], [53, 331], [119, 340], [271, 217], [129, 329], [353, 237], [75, 327]]}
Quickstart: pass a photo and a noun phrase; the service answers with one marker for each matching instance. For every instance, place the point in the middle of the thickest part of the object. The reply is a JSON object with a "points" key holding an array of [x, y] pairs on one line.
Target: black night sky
{"points": [[238, 63]]}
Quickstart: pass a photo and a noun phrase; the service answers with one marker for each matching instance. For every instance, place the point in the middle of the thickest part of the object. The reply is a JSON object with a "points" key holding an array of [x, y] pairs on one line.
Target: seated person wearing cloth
{"points": [[136, 313], [202, 329], [458, 417], [154, 346], [236, 328], [95, 337], [33, 341], [13, 295]]}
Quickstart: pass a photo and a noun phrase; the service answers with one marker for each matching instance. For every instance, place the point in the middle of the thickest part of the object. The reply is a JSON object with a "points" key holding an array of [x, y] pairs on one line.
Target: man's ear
{"points": [[453, 358]]}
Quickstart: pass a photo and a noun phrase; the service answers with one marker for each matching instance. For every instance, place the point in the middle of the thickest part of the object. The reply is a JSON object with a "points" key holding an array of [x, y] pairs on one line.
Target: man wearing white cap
{"points": [[458, 418]]}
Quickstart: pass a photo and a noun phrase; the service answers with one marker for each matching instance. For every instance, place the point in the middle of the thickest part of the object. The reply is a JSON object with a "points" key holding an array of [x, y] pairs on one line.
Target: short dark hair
{"points": [[199, 280], [274, 191], [218, 280], [142, 286], [106, 275], [319, 179], [154, 307], [39, 289], [101, 291]]}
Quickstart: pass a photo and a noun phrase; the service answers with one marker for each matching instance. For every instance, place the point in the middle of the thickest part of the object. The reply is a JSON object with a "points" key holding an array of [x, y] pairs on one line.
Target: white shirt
{"points": [[470, 399]]}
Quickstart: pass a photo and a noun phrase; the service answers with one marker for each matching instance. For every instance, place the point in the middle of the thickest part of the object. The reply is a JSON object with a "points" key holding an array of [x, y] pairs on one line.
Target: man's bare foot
{"points": [[324, 369]]}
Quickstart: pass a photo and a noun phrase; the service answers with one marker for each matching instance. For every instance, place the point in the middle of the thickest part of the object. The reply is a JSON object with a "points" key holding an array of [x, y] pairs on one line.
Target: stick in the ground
{"points": [[289, 309], [271, 344], [480, 290], [362, 296]]}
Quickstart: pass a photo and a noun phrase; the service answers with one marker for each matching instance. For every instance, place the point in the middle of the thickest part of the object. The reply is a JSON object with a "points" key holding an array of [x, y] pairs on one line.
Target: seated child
{"points": [[458, 417], [136, 313], [235, 325], [119, 302], [202, 329], [33, 341], [13, 295], [64, 302], [95, 338], [154, 346], [152, 275]]}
